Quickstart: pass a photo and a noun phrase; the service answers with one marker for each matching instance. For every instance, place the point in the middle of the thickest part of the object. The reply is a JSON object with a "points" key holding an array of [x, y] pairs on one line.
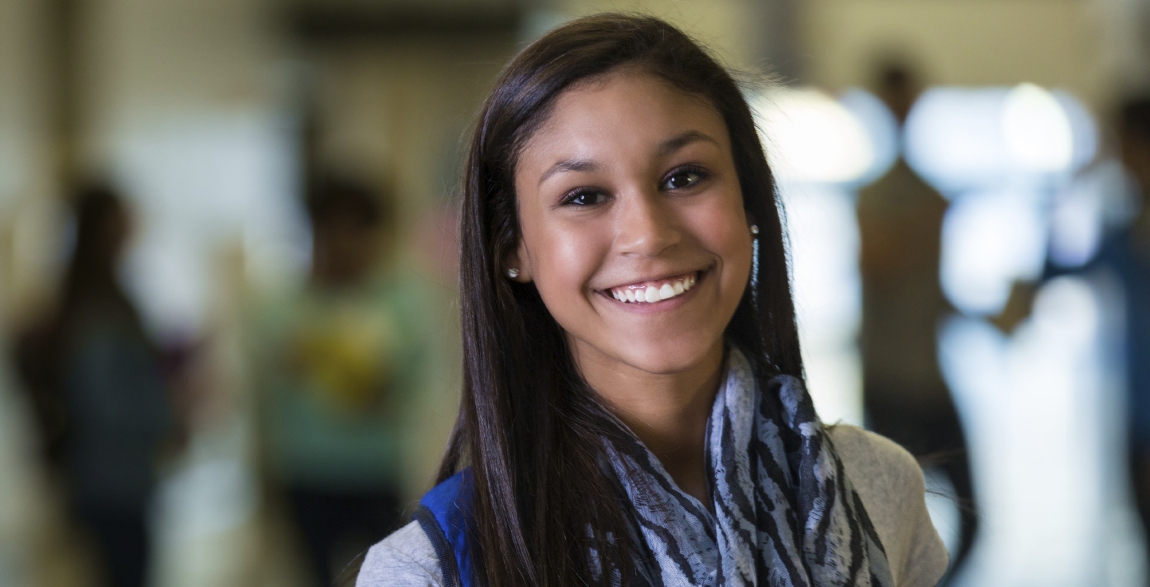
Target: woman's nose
{"points": [[645, 224]]}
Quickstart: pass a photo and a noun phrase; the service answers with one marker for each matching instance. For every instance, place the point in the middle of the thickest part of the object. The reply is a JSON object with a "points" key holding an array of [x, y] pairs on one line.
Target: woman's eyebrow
{"points": [[682, 140], [666, 147], [569, 165]]}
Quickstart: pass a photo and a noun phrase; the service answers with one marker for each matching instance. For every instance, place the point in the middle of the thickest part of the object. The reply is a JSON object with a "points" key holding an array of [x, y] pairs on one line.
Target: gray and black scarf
{"points": [[785, 513]]}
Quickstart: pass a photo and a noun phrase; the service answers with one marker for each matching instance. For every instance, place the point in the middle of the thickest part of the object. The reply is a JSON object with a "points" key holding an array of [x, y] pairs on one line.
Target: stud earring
{"points": [[512, 273], [755, 229]]}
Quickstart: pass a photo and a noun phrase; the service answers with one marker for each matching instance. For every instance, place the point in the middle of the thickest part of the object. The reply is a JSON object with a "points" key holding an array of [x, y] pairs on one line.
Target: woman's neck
{"points": [[667, 411]]}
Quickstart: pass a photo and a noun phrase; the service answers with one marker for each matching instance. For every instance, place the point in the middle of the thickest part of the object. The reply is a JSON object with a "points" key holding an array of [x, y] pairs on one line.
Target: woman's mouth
{"points": [[650, 292]]}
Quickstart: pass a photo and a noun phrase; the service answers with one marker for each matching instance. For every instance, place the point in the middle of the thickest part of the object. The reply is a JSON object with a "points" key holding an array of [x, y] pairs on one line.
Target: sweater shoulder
{"points": [[890, 484], [406, 558], [876, 463]]}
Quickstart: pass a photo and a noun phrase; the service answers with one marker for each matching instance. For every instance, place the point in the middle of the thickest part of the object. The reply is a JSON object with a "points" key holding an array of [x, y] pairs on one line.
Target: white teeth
{"points": [[652, 294]]}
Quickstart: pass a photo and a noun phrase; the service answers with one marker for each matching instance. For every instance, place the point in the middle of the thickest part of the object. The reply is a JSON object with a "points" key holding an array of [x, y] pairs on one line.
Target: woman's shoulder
{"points": [[406, 558], [877, 461], [890, 484]]}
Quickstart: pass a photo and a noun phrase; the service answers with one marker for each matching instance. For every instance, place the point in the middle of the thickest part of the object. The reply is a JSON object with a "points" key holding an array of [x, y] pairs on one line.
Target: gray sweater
{"points": [[887, 478]]}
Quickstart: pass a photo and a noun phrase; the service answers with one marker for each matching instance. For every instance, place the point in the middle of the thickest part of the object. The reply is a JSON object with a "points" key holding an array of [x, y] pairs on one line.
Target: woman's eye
{"points": [[683, 179], [585, 198]]}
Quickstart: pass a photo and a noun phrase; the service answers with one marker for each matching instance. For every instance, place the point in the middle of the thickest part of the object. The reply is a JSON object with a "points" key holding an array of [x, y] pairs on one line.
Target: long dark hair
{"points": [[530, 427]]}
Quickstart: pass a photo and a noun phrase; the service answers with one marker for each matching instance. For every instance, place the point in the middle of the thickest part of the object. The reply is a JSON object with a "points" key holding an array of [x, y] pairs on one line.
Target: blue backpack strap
{"points": [[443, 514]]}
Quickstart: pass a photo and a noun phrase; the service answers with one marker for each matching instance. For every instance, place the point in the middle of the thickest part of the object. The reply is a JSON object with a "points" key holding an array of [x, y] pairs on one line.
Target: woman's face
{"points": [[632, 224]]}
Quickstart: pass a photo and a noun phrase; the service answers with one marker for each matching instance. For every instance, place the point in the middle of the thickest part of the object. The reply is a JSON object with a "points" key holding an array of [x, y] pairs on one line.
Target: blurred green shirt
{"points": [[337, 369]]}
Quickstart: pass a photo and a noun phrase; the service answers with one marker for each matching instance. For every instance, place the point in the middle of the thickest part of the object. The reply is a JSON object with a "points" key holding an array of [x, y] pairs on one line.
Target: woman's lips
{"points": [[650, 292]]}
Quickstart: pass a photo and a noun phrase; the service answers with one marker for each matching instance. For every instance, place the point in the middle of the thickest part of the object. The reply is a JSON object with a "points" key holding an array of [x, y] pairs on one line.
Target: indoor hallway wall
{"points": [[729, 28], [30, 521], [1052, 43], [29, 184]]}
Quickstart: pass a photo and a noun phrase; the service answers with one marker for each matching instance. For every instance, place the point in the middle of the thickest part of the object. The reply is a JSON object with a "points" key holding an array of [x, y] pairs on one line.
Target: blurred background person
{"points": [[98, 388], [1127, 253], [337, 365], [904, 395]]}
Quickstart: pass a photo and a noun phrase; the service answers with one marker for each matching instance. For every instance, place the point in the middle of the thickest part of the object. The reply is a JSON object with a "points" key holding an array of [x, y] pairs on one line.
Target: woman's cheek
{"points": [[577, 253], [562, 271]]}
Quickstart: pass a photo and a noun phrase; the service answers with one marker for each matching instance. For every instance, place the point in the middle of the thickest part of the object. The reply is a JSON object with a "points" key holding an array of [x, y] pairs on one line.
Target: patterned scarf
{"points": [[785, 512]]}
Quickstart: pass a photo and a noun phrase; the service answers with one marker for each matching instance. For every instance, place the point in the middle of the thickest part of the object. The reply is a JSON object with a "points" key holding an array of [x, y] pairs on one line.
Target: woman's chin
{"points": [[657, 358]]}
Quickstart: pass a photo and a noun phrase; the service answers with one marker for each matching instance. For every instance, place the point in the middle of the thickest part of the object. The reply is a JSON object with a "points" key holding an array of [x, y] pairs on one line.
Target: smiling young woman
{"points": [[630, 186], [633, 410]]}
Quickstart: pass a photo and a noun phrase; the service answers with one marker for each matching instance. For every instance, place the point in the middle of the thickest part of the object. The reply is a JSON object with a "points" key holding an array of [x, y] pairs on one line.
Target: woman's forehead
{"points": [[626, 108]]}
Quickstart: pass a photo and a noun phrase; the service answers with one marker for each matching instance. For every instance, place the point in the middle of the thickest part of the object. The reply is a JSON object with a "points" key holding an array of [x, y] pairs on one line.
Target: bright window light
{"points": [[881, 128], [811, 138], [1036, 130], [963, 139], [205, 184], [989, 240]]}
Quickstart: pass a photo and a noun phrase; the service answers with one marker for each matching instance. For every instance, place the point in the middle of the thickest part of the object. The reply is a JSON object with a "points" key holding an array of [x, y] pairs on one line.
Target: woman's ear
{"points": [[517, 265]]}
